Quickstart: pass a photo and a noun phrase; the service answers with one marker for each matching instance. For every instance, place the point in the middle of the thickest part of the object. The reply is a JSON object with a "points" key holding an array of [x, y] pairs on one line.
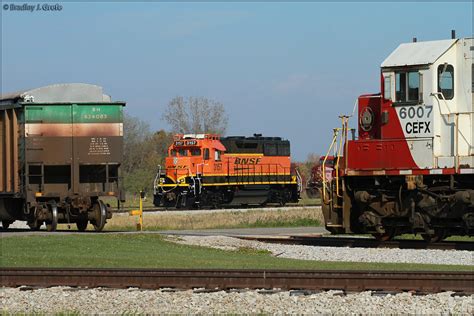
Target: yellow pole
{"points": [[140, 224], [139, 212]]}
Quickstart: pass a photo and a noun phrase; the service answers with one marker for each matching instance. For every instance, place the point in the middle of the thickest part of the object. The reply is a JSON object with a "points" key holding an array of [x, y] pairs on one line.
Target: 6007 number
{"points": [[412, 112]]}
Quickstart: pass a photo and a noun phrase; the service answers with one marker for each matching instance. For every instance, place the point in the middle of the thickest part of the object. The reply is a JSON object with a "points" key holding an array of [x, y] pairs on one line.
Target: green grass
{"points": [[151, 251], [300, 222], [133, 202]]}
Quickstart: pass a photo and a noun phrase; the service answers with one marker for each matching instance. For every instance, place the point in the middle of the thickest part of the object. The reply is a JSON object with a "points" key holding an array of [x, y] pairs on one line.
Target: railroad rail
{"points": [[353, 281], [361, 242]]}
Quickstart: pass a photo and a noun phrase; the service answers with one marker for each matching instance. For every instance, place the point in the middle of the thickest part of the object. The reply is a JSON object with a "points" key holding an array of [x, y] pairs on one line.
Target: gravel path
{"points": [[453, 257], [108, 302]]}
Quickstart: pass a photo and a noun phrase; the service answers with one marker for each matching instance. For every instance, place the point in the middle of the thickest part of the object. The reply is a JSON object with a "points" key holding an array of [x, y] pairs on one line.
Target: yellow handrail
{"points": [[334, 139], [341, 133]]}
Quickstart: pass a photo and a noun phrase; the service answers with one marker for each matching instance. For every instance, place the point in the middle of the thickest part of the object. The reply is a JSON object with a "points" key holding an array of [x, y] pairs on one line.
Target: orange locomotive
{"points": [[206, 170]]}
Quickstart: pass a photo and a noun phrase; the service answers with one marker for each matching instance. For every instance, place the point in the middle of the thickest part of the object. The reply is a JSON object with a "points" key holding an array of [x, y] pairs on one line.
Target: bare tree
{"points": [[135, 132], [143, 152], [196, 115]]}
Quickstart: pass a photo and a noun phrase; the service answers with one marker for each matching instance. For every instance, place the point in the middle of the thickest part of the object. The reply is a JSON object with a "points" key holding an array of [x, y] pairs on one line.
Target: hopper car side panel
{"points": [[85, 140], [9, 167], [59, 158]]}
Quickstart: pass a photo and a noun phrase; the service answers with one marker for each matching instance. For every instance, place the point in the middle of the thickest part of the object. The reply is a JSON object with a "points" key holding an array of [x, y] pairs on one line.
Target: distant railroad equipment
{"points": [[206, 170], [315, 183], [411, 170], [61, 150]]}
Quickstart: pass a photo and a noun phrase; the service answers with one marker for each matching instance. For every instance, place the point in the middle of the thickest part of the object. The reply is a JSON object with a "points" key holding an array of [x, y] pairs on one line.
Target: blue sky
{"points": [[281, 69]]}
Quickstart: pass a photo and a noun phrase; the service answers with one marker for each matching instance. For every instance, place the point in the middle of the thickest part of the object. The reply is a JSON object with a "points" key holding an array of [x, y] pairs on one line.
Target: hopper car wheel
{"points": [[100, 214], [53, 224], [81, 225]]}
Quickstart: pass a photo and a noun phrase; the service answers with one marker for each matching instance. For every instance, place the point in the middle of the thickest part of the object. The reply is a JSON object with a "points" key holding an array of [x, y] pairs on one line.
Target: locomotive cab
{"points": [[191, 154], [411, 169]]}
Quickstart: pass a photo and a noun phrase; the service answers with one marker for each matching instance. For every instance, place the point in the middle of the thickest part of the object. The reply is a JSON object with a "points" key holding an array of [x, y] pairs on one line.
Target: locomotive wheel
{"points": [[388, 235], [35, 226], [100, 215], [438, 235], [81, 225], [52, 225], [6, 224]]}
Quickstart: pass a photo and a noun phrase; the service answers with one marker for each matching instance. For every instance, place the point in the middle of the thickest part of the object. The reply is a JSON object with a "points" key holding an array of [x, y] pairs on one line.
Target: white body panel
{"points": [[439, 131]]}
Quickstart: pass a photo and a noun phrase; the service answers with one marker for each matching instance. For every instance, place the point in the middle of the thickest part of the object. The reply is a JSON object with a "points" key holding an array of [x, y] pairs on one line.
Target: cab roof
{"points": [[418, 53]]}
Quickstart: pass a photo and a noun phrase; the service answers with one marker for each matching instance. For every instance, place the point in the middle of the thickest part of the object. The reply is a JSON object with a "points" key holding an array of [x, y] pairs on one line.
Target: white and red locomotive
{"points": [[411, 170]]}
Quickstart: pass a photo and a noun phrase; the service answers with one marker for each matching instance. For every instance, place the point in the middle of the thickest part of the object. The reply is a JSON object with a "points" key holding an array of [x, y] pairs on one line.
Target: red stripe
{"points": [[394, 172]]}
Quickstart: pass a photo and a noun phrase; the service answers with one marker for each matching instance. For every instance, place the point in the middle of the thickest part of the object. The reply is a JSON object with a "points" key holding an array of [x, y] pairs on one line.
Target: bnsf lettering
{"points": [[417, 127], [247, 161]]}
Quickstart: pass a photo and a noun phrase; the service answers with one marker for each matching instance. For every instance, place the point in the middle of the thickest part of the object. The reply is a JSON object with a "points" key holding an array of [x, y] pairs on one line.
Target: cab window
{"points": [[413, 86], [206, 153], [217, 155], [183, 152], [408, 87], [446, 81], [173, 152], [387, 85], [195, 152]]}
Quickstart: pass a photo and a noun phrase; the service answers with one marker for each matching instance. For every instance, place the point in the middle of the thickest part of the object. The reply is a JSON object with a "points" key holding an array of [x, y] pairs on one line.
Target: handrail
{"points": [[299, 181], [334, 138], [340, 135], [157, 177]]}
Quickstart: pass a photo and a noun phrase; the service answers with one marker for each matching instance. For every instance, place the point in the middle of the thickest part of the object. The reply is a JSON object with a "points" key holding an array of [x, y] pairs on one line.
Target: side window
{"points": [[195, 152], [206, 153], [413, 86], [400, 87], [387, 85], [183, 152], [217, 155], [446, 81], [173, 152]]}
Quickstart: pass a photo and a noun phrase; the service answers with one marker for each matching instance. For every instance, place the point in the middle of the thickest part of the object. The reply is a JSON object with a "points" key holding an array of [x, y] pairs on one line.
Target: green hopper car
{"points": [[61, 147]]}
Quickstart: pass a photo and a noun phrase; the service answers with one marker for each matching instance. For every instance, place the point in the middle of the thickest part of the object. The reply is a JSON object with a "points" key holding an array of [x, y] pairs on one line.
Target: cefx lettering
{"points": [[417, 127], [247, 161]]}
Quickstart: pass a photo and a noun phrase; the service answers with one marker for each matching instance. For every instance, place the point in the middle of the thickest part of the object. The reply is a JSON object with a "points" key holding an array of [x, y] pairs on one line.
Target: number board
{"points": [[185, 143], [416, 121]]}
